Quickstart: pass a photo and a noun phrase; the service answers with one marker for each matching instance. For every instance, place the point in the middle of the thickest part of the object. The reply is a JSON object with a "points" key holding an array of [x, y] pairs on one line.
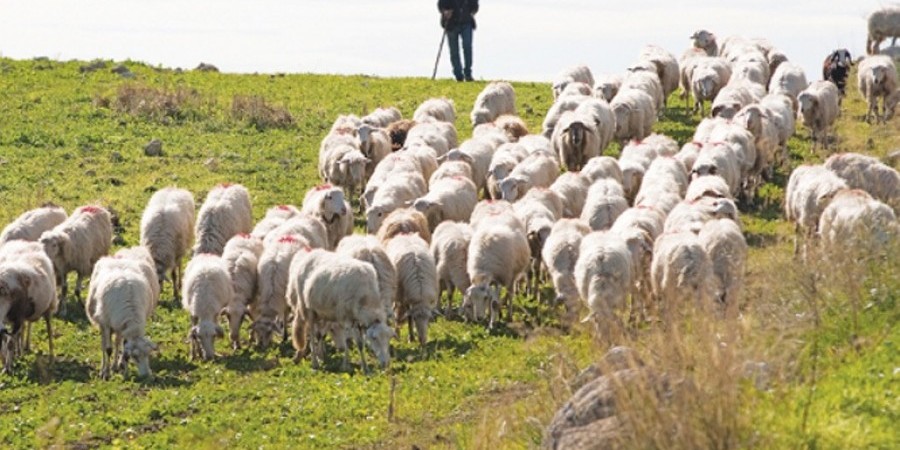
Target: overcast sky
{"points": [[516, 39]]}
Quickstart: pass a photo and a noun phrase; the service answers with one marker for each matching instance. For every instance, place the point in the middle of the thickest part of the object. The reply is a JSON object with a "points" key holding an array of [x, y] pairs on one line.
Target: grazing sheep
{"points": [[273, 269], [856, 223], [643, 77], [448, 199], [603, 274], [496, 99], [393, 194], [478, 153], [76, 244], [877, 77], [225, 213], [451, 169], [666, 68], [635, 114], [417, 283], [537, 170], [382, 117], [345, 166], [327, 203], [574, 74], [605, 201], [404, 221], [369, 249], [450, 250], [167, 229], [720, 159], [808, 192], [498, 256], [836, 69], [708, 77], [727, 250], [707, 186], [207, 291], [375, 145], [31, 224], [765, 134], [576, 139], [275, 216], [883, 23], [118, 303], [734, 96], [27, 293], [705, 40], [241, 255], [504, 160], [691, 215], [310, 228], [538, 213], [607, 86], [571, 188], [493, 212], [559, 255], [441, 109], [681, 272], [141, 255], [869, 174], [819, 109], [394, 165], [563, 104], [789, 79]]}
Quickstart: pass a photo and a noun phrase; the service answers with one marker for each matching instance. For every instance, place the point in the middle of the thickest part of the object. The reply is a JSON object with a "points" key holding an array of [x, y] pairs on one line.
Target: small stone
{"points": [[90, 173], [116, 182], [892, 158], [204, 67], [120, 69], [116, 157], [211, 163], [153, 148]]}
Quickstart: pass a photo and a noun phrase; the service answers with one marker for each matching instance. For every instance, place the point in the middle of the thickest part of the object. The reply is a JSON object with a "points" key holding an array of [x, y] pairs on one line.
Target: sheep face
{"points": [[58, 247], [726, 111], [575, 134], [332, 204], [510, 188], [480, 116], [203, 338], [479, 300], [808, 104], [374, 217], [352, 167], [751, 118], [378, 337], [702, 38], [607, 91], [724, 208], [431, 209], [139, 350], [261, 331]]}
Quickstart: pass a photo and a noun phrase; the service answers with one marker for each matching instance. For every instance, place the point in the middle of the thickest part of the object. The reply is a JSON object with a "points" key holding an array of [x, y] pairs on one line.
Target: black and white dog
{"points": [[836, 68]]}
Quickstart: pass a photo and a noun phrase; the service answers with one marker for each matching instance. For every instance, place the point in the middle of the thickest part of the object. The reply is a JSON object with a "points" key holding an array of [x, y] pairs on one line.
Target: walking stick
{"points": [[440, 47]]}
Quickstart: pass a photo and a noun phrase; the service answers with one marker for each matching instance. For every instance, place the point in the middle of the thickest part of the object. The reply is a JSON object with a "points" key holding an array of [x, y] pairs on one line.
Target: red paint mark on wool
{"points": [[243, 235], [90, 209], [323, 187], [225, 185], [289, 239], [283, 208], [697, 143]]}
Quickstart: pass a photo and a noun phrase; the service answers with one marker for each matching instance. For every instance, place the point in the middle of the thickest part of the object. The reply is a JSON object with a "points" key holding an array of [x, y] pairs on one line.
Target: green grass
{"points": [[62, 139]]}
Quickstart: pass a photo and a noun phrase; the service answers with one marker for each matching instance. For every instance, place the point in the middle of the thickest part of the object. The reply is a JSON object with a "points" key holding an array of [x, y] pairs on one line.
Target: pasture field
{"points": [[830, 342]]}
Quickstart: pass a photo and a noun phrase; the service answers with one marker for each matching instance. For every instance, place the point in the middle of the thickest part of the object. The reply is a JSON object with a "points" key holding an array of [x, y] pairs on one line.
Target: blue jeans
{"points": [[453, 37]]}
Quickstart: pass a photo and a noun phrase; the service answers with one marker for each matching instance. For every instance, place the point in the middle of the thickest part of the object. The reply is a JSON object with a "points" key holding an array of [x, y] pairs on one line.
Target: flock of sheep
{"points": [[658, 225]]}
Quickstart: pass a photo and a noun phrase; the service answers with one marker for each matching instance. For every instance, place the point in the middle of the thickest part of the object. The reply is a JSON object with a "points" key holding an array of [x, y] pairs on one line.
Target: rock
{"points": [[617, 358], [92, 66], [603, 434], [204, 67], [119, 69], [153, 148], [893, 158], [116, 157], [211, 163]]}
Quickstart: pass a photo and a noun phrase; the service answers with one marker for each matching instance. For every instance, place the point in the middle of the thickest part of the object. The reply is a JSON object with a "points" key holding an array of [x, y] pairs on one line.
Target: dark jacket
{"points": [[462, 12]]}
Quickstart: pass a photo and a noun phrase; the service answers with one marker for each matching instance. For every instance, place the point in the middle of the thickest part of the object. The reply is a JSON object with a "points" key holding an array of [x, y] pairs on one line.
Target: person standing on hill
{"points": [[458, 19]]}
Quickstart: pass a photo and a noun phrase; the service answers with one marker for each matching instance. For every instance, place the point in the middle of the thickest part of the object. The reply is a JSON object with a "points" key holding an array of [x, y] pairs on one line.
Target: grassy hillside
{"points": [[74, 137]]}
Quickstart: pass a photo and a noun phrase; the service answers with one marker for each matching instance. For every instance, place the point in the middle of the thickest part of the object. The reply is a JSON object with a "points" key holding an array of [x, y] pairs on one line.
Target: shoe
{"points": [[469, 78]]}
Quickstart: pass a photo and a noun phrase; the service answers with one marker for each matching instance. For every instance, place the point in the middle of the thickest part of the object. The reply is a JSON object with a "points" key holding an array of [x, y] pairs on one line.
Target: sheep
{"points": [[369, 249], [141, 255], [502, 163], [327, 203], [789, 79], [225, 213], [666, 67], [119, 303], [707, 79], [644, 78], [345, 124], [382, 117], [537, 170], [668, 172], [441, 109], [425, 156], [538, 213], [310, 228], [393, 194], [743, 145], [27, 293], [273, 268], [556, 111], [498, 256], [375, 145], [882, 23], [705, 40], [576, 89], [689, 153], [337, 143], [417, 283], [207, 291], [580, 74], [734, 96], [603, 274], [819, 109], [167, 229], [275, 216], [780, 111], [765, 133], [450, 249], [720, 159], [687, 64], [869, 174], [403, 221], [496, 99], [76, 244], [478, 153], [451, 169], [492, 212], [877, 77], [329, 298], [602, 167], [346, 167], [753, 67], [395, 164], [576, 139], [680, 272], [31, 224], [808, 192], [571, 188], [559, 255], [241, 255], [607, 86], [605, 201], [727, 250], [448, 199], [635, 114], [707, 186], [429, 134], [397, 131], [856, 222], [691, 215]]}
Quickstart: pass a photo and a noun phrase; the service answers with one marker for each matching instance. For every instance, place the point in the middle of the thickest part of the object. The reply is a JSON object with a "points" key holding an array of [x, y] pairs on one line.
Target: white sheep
{"points": [[691, 215], [560, 106], [417, 283], [496, 99], [705, 40], [780, 111], [242, 253], [503, 161], [31, 224], [76, 244], [571, 188], [492, 212], [537, 170], [327, 203], [167, 230], [644, 78], [727, 250], [605, 201], [450, 249], [375, 145], [119, 303], [27, 293], [448, 199], [141, 255], [855, 223], [425, 156], [765, 133], [382, 117], [882, 24], [310, 228], [369, 249], [441, 109], [451, 169], [734, 96], [559, 255], [707, 186], [404, 221], [225, 213], [869, 174], [877, 77], [720, 159], [538, 213], [607, 86], [345, 124], [681, 272], [395, 164], [818, 110], [579, 73], [273, 269], [808, 192], [576, 89], [498, 256], [743, 145], [789, 79], [429, 134], [478, 153], [393, 194], [707, 78], [275, 216], [689, 153], [668, 173], [666, 67], [207, 291], [635, 113], [603, 274], [602, 167]]}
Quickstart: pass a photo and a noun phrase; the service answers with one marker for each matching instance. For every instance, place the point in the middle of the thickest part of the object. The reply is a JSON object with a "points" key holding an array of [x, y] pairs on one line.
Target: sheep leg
{"points": [[412, 333], [299, 332], [119, 353], [63, 293], [106, 344], [175, 288], [362, 353], [49, 334], [507, 299], [78, 282], [26, 345]]}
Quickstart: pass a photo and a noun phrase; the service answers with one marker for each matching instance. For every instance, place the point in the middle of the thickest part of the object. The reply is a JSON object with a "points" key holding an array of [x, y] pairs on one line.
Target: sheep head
{"points": [[58, 247], [331, 204], [352, 167], [480, 116], [261, 331], [512, 187], [139, 350], [203, 335], [378, 337], [478, 300], [375, 215], [726, 110]]}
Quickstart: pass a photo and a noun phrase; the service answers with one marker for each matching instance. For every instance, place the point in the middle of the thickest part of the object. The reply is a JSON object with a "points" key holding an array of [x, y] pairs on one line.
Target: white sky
{"points": [[516, 39]]}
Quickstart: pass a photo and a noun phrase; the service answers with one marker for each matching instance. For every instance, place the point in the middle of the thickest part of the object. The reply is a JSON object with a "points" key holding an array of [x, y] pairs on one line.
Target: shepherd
{"points": [[458, 20]]}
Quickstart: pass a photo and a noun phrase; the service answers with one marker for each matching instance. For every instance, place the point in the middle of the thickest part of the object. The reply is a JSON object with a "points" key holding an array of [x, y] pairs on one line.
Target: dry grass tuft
{"points": [[254, 110], [156, 104]]}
